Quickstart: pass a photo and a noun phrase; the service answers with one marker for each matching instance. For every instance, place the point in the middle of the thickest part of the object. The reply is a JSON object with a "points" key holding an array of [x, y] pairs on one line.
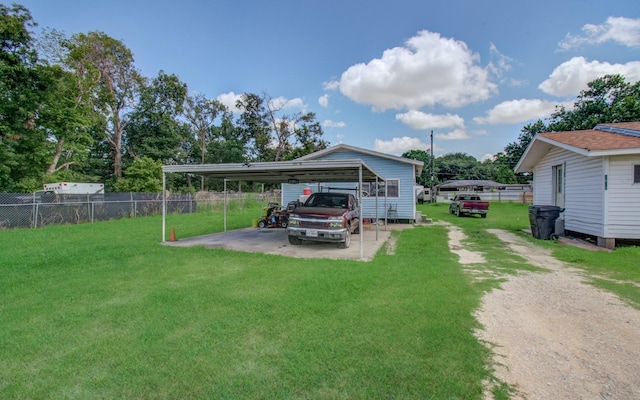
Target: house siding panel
{"points": [[583, 201], [543, 183], [623, 199], [389, 169]]}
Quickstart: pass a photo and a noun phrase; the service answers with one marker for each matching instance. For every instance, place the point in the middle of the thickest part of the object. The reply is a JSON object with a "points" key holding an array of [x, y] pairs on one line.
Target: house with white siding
{"points": [[594, 175], [395, 192]]}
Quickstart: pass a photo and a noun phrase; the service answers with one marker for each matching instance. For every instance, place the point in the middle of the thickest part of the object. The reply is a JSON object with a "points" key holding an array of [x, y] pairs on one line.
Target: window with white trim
{"points": [[392, 186]]}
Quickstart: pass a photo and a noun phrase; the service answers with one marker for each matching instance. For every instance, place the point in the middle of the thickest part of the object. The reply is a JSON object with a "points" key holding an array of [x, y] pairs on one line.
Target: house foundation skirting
{"points": [[609, 243]]}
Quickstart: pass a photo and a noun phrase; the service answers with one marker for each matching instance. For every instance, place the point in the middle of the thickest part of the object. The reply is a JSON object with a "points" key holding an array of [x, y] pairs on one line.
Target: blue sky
{"points": [[379, 75]]}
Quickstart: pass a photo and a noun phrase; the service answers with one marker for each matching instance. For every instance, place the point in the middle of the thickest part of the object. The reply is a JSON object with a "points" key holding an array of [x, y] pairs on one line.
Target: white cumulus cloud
{"points": [[456, 134], [324, 100], [281, 103], [513, 111], [487, 157], [331, 85], [397, 146], [229, 100], [500, 64], [625, 31], [428, 70], [333, 124], [571, 77], [423, 121]]}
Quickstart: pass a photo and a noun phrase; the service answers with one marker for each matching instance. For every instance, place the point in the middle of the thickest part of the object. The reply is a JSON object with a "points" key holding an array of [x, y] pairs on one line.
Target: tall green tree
{"points": [[514, 150], [23, 85], [67, 122], [607, 99], [228, 145], [105, 66], [202, 114], [254, 125], [425, 177], [457, 166], [308, 137], [274, 135], [143, 176], [500, 170], [68, 115], [155, 128]]}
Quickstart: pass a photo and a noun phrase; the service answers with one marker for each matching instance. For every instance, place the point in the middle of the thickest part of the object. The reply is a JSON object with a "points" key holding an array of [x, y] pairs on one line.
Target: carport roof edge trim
{"points": [[345, 170]]}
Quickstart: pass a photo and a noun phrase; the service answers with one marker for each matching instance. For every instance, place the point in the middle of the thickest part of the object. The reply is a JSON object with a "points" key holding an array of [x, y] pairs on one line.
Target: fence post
{"points": [[34, 211], [89, 208]]}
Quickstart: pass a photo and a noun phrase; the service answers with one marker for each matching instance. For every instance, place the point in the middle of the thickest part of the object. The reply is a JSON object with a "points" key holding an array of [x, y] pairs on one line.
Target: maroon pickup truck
{"points": [[325, 217], [468, 204]]}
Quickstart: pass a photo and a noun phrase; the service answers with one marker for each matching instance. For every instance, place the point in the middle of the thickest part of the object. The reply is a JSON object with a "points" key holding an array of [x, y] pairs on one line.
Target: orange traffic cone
{"points": [[172, 237]]}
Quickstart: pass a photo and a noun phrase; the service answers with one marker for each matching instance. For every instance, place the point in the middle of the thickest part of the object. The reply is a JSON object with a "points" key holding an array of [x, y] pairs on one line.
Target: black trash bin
{"points": [[543, 220]]}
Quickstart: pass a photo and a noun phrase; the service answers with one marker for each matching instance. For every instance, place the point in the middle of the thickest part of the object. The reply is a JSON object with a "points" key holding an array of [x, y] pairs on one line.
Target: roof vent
{"points": [[613, 129]]}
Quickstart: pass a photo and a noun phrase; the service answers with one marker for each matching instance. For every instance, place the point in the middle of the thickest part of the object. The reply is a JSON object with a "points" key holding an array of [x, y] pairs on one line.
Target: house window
{"points": [[636, 173], [391, 186]]}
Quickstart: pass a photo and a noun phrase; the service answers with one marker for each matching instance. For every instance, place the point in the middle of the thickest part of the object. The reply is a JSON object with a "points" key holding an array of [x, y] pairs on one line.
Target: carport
{"points": [[349, 170]]}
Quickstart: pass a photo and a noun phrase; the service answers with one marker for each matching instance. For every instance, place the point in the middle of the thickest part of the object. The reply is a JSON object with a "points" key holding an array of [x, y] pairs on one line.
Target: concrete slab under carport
{"points": [[275, 241]]}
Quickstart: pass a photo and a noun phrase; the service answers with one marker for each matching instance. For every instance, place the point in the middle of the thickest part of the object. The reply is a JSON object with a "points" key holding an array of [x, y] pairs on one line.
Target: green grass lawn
{"points": [[105, 311], [617, 271]]}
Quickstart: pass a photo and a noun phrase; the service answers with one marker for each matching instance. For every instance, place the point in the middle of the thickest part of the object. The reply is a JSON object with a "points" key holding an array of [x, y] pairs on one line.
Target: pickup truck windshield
{"points": [[327, 200]]}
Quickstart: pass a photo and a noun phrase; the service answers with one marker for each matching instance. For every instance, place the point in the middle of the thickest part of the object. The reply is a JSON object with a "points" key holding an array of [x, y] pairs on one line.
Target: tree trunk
{"points": [[116, 142], [56, 157]]}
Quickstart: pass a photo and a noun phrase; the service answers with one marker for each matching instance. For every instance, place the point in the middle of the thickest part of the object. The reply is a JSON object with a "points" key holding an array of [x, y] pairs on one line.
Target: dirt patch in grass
{"points": [[456, 236], [556, 337]]}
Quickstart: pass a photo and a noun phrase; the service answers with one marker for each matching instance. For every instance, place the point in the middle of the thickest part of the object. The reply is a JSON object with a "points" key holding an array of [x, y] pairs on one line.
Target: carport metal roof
{"points": [[347, 170], [284, 171]]}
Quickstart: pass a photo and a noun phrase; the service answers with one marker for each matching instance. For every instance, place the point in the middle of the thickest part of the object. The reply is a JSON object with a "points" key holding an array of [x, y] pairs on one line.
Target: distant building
{"points": [[471, 186]]}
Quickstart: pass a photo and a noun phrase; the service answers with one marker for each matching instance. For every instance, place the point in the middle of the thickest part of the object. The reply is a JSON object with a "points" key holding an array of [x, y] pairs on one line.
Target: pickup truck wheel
{"points": [[262, 224], [483, 215], [283, 224], [346, 243], [295, 240]]}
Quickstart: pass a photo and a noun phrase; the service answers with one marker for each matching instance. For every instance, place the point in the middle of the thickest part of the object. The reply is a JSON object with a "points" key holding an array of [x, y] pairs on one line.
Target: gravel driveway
{"points": [[553, 335]]}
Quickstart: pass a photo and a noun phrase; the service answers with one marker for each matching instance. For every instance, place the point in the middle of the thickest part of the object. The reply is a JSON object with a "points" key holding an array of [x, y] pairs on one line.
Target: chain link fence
{"points": [[33, 210]]}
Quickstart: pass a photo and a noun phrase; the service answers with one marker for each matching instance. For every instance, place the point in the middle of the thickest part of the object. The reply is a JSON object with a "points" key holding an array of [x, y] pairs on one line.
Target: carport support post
{"points": [[164, 205], [224, 207], [386, 209], [377, 211], [360, 216]]}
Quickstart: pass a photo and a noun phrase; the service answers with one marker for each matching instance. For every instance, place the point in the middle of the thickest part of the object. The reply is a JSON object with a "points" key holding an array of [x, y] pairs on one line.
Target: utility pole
{"points": [[431, 196]]}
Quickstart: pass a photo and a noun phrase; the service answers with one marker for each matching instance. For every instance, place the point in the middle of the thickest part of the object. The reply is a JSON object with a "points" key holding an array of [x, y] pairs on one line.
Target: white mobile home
{"points": [[399, 176], [593, 174], [74, 188]]}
